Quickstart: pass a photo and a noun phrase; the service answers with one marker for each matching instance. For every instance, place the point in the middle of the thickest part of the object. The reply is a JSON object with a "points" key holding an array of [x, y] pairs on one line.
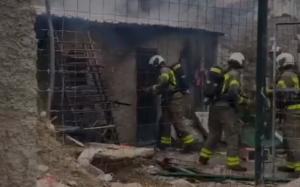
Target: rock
{"points": [[152, 169], [43, 168], [117, 184], [72, 183], [181, 183], [105, 177]]}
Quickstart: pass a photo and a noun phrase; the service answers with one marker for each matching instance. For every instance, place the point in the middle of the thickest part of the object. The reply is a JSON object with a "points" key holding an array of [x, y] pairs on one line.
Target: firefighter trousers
{"points": [[173, 113], [223, 118], [291, 130]]}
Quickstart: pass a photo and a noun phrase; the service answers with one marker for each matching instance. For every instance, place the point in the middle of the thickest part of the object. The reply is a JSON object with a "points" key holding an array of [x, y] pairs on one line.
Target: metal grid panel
{"points": [[173, 27]]}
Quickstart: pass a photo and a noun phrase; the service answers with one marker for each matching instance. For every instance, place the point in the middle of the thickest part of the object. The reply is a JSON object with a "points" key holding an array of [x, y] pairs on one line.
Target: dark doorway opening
{"points": [[147, 104]]}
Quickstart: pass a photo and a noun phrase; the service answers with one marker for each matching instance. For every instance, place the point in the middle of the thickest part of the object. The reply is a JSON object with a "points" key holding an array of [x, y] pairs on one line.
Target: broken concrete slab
{"points": [[85, 159], [119, 152], [117, 184]]}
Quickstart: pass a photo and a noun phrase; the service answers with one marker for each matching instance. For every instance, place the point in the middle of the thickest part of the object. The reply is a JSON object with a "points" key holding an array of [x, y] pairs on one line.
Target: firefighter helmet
{"points": [[285, 59], [156, 60], [237, 58]]}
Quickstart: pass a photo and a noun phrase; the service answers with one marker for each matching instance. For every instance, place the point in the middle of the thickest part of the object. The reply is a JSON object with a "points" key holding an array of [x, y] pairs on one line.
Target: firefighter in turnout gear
{"points": [[223, 115], [171, 105], [288, 101], [186, 102]]}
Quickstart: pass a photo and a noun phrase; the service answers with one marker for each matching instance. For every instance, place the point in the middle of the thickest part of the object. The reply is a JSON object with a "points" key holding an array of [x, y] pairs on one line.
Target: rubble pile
{"points": [[97, 164], [57, 168]]}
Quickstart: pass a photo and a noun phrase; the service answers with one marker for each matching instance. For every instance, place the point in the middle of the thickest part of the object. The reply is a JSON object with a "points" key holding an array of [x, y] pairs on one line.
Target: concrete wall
{"points": [[120, 75], [18, 94]]}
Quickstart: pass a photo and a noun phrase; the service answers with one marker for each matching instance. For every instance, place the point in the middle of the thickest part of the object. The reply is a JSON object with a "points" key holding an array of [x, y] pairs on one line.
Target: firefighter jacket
{"points": [[288, 88], [181, 79], [166, 82], [231, 91]]}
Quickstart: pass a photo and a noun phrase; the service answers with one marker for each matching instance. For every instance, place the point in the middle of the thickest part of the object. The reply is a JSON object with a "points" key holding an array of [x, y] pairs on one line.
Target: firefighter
{"points": [[186, 102], [288, 102], [223, 115], [171, 106]]}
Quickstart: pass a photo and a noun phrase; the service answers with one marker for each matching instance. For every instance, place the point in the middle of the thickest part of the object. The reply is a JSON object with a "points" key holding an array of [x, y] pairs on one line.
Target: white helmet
{"points": [[285, 59], [238, 58], [156, 60]]}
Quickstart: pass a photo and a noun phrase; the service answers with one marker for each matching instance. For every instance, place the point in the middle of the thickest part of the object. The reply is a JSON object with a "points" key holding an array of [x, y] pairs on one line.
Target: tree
{"points": [[18, 92]]}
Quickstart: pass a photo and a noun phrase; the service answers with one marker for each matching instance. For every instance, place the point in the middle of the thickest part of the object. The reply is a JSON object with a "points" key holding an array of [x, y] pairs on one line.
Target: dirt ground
{"points": [[61, 160], [62, 164]]}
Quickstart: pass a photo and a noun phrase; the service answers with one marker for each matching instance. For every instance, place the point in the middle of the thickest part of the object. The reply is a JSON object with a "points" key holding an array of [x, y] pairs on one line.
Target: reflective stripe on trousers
{"points": [[297, 166], [189, 139], [206, 153], [166, 140], [294, 107], [233, 161], [293, 165], [290, 165]]}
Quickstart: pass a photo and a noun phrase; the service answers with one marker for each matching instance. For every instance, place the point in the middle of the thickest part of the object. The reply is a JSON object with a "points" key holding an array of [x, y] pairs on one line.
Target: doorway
{"points": [[147, 104]]}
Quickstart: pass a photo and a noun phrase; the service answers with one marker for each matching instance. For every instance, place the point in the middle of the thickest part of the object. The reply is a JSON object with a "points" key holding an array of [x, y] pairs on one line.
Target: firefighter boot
{"points": [[165, 143], [237, 168], [234, 163], [205, 155], [203, 160]]}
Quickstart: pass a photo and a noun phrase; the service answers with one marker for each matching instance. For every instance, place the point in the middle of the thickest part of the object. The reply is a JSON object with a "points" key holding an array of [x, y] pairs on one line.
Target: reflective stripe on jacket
{"points": [[289, 87], [231, 90], [166, 82]]}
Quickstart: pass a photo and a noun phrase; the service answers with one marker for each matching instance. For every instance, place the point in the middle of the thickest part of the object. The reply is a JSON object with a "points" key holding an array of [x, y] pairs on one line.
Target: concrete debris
{"points": [[181, 183], [86, 158], [105, 177], [294, 183], [72, 183], [49, 181], [43, 169], [117, 184], [119, 152], [152, 169]]}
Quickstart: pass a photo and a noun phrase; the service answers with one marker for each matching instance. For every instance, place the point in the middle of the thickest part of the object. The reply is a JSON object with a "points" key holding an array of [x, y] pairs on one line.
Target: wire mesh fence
{"points": [[102, 52]]}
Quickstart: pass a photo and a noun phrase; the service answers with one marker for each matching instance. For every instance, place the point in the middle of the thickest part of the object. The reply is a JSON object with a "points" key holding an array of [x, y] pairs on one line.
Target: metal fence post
{"points": [[262, 45]]}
